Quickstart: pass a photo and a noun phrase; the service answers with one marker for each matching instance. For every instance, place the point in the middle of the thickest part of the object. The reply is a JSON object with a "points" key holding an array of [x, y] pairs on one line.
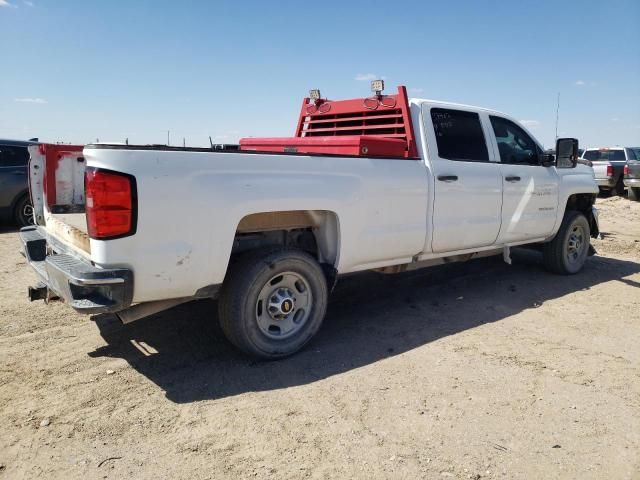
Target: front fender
{"points": [[577, 181]]}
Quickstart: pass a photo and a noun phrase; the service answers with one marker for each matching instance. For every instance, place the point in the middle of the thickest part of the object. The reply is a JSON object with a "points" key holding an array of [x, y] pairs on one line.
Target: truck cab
{"points": [[489, 185]]}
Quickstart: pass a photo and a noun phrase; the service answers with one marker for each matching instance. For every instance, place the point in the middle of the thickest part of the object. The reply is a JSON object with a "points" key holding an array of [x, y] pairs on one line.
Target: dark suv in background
{"points": [[15, 205]]}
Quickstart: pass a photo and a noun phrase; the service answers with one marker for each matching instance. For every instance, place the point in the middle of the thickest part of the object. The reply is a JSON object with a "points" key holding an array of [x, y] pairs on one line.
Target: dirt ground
{"points": [[478, 370]]}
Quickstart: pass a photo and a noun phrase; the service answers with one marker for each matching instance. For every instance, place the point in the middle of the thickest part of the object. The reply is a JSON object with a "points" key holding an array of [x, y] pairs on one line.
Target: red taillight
{"points": [[110, 203], [626, 170], [609, 170]]}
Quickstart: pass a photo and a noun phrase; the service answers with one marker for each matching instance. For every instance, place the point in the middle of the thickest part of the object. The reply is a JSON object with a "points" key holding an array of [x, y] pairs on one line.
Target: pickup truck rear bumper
{"points": [[608, 182], [632, 182], [86, 288]]}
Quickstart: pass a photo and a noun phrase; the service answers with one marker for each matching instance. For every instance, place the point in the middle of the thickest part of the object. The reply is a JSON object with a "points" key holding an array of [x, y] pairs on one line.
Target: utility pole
{"points": [[168, 140], [557, 114]]}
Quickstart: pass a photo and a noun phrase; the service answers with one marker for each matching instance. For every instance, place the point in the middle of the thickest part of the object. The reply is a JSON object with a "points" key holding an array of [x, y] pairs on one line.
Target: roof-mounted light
{"points": [[377, 86], [317, 104]]}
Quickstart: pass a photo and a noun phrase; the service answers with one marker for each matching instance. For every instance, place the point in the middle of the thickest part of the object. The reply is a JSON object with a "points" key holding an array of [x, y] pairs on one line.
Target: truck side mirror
{"points": [[566, 152]]}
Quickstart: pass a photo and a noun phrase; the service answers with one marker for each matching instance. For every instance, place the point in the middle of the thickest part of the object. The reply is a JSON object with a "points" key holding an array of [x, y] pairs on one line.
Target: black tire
{"points": [[23, 212], [634, 193], [246, 316], [568, 250]]}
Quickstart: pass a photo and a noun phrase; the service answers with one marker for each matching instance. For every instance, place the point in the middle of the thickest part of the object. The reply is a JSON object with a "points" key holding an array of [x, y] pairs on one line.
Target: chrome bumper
{"points": [[88, 289]]}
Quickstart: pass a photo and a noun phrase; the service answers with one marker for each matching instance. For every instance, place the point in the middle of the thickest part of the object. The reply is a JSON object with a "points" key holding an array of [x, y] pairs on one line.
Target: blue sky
{"points": [[75, 71]]}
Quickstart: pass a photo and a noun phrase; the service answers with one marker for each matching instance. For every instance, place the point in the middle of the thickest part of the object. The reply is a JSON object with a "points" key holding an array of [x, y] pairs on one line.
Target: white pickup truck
{"points": [[382, 183], [608, 167]]}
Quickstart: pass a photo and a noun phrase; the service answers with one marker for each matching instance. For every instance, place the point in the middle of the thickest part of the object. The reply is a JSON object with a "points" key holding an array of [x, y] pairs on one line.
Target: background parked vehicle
{"points": [[632, 173], [15, 204], [608, 167]]}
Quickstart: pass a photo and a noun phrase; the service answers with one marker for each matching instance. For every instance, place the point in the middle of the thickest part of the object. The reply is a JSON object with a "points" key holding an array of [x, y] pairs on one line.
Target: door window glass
{"points": [[514, 145], [459, 135], [13, 156]]}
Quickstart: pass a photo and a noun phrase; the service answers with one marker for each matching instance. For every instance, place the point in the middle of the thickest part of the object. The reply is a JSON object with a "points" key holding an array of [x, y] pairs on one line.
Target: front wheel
{"points": [[567, 252], [273, 302]]}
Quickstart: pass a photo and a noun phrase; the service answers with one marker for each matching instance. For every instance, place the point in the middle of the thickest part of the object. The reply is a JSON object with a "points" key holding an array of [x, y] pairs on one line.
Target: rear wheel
{"points": [[273, 302], [23, 212], [634, 193], [567, 252]]}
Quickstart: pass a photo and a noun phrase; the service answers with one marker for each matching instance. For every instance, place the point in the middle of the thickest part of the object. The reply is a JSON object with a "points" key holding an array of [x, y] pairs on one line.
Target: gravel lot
{"points": [[481, 370]]}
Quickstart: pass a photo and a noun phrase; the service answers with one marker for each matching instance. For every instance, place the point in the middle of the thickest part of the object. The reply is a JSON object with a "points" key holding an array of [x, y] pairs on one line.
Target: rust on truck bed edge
{"points": [[60, 226]]}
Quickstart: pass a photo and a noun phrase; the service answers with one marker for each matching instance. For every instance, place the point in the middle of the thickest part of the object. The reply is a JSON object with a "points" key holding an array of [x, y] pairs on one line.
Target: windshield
{"points": [[605, 154]]}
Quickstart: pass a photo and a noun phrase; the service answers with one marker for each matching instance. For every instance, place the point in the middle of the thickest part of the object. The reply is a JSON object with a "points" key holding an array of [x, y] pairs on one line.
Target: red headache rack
{"points": [[377, 126]]}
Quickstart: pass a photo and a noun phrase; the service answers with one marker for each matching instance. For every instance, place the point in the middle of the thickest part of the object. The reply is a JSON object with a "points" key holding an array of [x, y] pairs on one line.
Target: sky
{"points": [[78, 71]]}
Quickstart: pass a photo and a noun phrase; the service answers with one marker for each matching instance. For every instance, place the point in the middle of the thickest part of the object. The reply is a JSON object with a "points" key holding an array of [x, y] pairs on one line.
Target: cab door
{"points": [[467, 193], [529, 190]]}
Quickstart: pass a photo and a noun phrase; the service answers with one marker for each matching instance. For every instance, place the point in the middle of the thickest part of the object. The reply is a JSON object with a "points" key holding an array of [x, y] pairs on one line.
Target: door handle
{"points": [[447, 178], [512, 179]]}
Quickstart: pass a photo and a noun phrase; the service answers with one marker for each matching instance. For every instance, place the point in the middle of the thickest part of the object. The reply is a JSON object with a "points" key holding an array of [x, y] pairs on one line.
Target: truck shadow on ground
{"points": [[371, 317], [8, 228]]}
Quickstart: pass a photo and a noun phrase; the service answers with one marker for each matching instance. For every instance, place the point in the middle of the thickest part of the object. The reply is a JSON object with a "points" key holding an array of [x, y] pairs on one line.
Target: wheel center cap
{"points": [[281, 304], [286, 306]]}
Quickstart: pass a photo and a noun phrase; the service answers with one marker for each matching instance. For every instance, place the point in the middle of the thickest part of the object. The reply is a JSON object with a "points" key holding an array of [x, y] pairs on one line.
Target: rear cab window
{"points": [[605, 154], [459, 135]]}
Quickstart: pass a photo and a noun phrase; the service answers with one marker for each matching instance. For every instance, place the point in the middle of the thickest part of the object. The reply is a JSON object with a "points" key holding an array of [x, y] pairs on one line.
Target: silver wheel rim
{"points": [[576, 244], [27, 214], [284, 305]]}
